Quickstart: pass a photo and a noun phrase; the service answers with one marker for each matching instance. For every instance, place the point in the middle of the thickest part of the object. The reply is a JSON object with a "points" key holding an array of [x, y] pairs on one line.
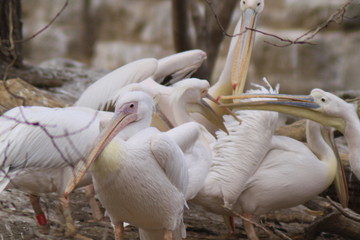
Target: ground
{"points": [[17, 222]]}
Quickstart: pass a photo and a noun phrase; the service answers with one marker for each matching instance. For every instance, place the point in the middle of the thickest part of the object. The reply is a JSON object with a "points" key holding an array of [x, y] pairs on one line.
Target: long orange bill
{"points": [[243, 50], [119, 121]]}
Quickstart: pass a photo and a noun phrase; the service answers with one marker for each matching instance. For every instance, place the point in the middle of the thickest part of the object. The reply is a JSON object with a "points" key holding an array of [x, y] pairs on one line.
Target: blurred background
{"points": [[106, 34]]}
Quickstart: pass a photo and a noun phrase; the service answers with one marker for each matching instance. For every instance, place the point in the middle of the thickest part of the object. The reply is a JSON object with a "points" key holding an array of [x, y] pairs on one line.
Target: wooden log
{"points": [[16, 92], [37, 76], [336, 223]]}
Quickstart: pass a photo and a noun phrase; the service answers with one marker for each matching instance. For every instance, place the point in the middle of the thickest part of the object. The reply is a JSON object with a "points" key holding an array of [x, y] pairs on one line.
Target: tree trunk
{"points": [[211, 39], [10, 33], [208, 32], [181, 33]]}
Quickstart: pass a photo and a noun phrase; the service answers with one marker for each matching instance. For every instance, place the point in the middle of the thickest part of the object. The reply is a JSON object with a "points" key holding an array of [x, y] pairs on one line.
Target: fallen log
{"points": [[16, 92], [341, 221]]}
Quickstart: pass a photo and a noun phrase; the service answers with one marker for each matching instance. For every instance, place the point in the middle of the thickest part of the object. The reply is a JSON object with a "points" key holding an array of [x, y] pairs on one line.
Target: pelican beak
{"points": [[298, 105], [205, 109], [340, 182], [120, 120], [243, 50], [160, 121]]}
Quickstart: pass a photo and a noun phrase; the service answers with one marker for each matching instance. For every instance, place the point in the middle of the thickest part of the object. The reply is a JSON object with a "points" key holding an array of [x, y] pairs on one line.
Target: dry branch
{"points": [[18, 92]]}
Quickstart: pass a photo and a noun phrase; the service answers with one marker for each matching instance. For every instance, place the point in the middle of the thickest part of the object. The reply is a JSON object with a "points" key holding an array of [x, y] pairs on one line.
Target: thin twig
{"points": [[219, 23], [346, 212], [45, 27], [48, 25], [336, 17]]}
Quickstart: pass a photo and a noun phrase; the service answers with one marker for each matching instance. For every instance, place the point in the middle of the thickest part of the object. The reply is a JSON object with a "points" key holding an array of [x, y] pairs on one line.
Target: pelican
{"points": [[252, 173], [139, 173], [187, 97], [134, 72], [233, 75], [39, 147], [320, 106]]}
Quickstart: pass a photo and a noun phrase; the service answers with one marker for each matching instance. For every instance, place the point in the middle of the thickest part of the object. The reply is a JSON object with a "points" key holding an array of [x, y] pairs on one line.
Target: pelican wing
{"points": [[191, 139], [238, 155], [40, 137], [185, 135], [170, 157], [178, 66], [98, 93]]}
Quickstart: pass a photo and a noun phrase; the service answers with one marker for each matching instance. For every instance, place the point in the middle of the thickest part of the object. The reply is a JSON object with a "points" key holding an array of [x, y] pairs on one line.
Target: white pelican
{"points": [[39, 147], [239, 53], [164, 71], [140, 174], [187, 97], [320, 106], [233, 75], [134, 72], [254, 172]]}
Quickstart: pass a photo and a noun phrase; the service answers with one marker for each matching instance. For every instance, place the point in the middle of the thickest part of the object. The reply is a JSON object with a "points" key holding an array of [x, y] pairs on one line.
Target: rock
{"points": [[113, 54], [16, 92]]}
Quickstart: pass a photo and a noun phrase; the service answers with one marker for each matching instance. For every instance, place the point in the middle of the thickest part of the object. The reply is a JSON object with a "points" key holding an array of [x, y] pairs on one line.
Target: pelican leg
{"points": [[39, 214], [119, 231], [168, 235], [66, 212], [229, 223], [249, 227], [95, 208]]}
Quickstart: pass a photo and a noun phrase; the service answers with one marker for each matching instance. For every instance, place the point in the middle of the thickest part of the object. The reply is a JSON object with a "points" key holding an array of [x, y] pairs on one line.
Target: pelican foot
{"points": [[314, 212], [168, 235], [81, 237], [119, 231], [230, 224], [97, 214], [70, 229], [249, 228]]}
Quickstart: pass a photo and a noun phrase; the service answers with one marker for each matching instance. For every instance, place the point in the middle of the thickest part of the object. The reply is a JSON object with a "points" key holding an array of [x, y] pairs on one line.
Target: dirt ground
{"points": [[17, 221]]}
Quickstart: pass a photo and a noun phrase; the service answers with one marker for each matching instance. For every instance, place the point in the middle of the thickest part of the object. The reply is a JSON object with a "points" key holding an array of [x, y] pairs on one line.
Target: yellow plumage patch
{"points": [[110, 159]]}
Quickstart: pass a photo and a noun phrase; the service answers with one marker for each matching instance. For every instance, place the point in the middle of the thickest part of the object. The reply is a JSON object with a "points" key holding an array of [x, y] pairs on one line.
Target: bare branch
{"points": [[337, 17], [42, 29], [344, 211]]}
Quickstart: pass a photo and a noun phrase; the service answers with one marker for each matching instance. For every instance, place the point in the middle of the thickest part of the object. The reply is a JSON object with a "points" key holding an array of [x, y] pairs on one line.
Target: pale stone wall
{"points": [[116, 32]]}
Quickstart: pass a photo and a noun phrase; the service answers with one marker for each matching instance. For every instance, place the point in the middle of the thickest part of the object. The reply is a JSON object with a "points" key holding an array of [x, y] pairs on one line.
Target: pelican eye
{"points": [[243, 2], [258, 4], [323, 99], [132, 105]]}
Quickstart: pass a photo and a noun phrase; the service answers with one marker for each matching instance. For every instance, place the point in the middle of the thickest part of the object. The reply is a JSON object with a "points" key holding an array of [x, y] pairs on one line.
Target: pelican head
{"points": [[256, 6], [319, 106], [250, 10], [133, 108], [190, 94]]}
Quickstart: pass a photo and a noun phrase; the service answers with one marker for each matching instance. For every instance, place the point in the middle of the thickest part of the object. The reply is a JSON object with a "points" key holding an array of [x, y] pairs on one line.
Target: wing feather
{"points": [[42, 137], [170, 157], [98, 93], [178, 66]]}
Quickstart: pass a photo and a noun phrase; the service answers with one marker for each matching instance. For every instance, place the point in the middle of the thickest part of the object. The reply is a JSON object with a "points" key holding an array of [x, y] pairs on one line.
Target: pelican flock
{"points": [[150, 139]]}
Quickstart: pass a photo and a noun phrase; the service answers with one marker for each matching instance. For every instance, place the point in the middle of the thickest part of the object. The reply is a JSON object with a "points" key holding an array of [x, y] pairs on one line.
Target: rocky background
{"points": [[108, 34]]}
